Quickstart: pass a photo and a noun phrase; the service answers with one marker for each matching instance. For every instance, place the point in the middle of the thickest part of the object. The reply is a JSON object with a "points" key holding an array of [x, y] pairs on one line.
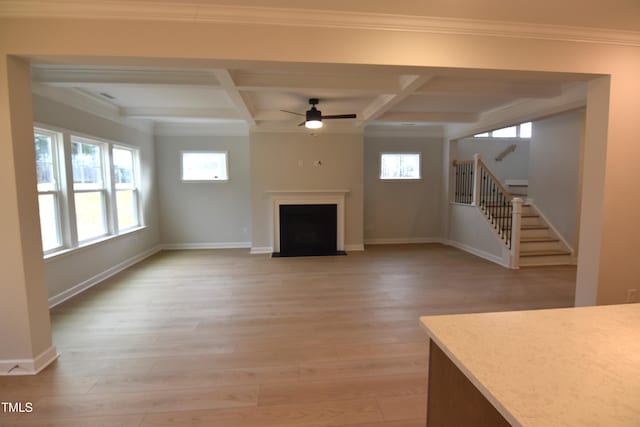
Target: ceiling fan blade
{"points": [[340, 116], [292, 112]]}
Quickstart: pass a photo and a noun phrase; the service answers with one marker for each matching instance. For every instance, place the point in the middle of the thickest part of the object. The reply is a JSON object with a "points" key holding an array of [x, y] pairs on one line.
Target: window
{"points": [[523, 130], [399, 166], [46, 146], [87, 189], [126, 189], [204, 166]]}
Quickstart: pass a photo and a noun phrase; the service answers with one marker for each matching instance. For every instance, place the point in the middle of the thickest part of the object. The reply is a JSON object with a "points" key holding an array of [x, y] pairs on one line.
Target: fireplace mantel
{"points": [[306, 197]]}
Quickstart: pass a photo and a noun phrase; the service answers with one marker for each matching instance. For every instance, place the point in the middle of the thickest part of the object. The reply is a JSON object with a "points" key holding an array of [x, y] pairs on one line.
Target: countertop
{"points": [[550, 368]]}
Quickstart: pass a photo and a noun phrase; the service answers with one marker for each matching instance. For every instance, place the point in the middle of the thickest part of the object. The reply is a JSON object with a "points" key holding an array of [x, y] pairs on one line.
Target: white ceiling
{"points": [[254, 94]]}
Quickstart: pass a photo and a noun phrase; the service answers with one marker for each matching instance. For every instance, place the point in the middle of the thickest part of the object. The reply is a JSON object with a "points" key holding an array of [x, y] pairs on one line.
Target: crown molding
{"points": [[201, 129], [199, 12], [88, 103], [381, 131]]}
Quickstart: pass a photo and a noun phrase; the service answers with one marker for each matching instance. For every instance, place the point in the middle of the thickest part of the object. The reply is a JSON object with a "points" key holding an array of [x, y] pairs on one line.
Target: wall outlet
{"points": [[632, 295]]}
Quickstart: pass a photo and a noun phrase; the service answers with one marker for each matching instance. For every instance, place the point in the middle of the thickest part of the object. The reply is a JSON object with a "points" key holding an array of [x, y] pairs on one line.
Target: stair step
{"points": [[538, 240], [535, 227], [544, 253]]}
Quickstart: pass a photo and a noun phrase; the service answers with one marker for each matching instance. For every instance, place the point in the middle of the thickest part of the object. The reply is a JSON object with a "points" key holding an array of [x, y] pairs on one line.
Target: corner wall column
{"points": [[25, 329]]}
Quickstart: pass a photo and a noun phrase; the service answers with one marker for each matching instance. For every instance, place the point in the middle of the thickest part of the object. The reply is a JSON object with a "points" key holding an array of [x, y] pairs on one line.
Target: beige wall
{"points": [[554, 171], [285, 161], [206, 214], [402, 211], [25, 330]]}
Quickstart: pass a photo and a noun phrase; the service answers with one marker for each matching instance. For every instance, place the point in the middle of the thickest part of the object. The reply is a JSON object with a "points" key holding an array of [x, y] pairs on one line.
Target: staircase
{"points": [[528, 239], [539, 245]]}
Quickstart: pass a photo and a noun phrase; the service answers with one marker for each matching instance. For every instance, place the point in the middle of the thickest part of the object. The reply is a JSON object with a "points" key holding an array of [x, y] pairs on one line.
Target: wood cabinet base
{"points": [[454, 401]]}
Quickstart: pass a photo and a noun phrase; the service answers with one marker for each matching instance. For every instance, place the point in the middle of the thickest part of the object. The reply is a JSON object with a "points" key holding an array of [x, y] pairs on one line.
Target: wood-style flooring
{"points": [[224, 338]]}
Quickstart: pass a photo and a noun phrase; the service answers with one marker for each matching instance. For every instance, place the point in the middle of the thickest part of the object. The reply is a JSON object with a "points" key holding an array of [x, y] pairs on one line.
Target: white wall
{"points": [[84, 265], [402, 211], [470, 231], [204, 214], [554, 171], [514, 165], [285, 161]]}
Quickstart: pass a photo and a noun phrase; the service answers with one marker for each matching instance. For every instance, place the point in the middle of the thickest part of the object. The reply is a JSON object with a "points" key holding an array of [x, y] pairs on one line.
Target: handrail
{"points": [[506, 152], [486, 168]]}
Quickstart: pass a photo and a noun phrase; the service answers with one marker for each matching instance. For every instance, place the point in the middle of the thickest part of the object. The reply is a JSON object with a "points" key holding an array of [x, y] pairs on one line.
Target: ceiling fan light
{"points": [[313, 124]]}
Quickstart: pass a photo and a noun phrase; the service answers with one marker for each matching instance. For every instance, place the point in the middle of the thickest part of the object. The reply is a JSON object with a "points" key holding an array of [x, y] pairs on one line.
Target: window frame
{"points": [[67, 219], [135, 188], [226, 159], [394, 179], [104, 190], [490, 133], [56, 139]]}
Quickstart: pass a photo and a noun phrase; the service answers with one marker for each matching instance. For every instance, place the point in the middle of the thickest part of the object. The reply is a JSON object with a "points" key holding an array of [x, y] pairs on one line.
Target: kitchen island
{"points": [[575, 367]]}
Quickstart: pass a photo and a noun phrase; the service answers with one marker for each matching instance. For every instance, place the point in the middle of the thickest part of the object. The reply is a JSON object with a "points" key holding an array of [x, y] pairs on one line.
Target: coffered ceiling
{"points": [[253, 95]]}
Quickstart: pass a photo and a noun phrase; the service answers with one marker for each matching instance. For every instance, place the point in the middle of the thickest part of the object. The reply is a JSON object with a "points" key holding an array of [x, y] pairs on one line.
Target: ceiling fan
{"points": [[314, 117]]}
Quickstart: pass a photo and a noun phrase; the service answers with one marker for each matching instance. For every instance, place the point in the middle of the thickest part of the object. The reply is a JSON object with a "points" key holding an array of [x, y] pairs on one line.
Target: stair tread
{"points": [[534, 227], [544, 253], [538, 239]]}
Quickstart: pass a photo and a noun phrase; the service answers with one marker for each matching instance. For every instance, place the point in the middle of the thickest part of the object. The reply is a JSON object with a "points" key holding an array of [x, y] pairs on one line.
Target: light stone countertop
{"points": [[550, 368]]}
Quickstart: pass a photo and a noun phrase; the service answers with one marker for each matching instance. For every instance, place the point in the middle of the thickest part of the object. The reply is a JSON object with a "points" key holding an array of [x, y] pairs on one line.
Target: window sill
{"points": [[400, 179], [90, 244]]}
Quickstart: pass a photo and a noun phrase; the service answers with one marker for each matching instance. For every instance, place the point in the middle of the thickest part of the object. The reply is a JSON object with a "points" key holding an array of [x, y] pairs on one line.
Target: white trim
{"points": [[551, 226], [211, 245], [354, 248], [307, 197], [402, 240], [28, 366], [202, 12], [92, 281], [200, 129], [477, 252], [383, 131], [88, 104], [261, 250]]}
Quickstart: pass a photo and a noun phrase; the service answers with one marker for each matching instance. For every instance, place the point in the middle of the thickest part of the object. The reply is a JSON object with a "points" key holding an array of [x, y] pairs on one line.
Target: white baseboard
{"points": [[83, 286], [402, 240], [261, 250], [354, 248], [28, 366], [477, 252], [221, 245]]}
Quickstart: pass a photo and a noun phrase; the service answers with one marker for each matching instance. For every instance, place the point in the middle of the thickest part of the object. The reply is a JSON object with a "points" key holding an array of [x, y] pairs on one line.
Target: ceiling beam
{"points": [[227, 83], [159, 113], [482, 87], [428, 117], [383, 103], [73, 77], [345, 83]]}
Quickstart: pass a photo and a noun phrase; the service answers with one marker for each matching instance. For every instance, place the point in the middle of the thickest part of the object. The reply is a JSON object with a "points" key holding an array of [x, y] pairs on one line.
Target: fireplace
{"points": [[308, 230], [304, 213]]}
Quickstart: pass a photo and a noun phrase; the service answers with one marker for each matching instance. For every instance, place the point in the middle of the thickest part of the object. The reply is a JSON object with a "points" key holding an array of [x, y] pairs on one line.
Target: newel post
{"points": [[516, 221], [476, 179]]}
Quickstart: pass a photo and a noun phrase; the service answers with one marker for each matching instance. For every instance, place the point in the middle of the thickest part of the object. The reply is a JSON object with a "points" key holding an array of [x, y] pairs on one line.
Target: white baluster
{"points": [[516, 221]]}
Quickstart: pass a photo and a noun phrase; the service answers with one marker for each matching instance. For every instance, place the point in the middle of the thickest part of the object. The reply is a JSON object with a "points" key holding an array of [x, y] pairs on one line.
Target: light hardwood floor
{"points": [[223, 338]]}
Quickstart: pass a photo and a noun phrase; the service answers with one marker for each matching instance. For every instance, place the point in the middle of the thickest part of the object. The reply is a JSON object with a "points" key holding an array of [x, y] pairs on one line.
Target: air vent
{"points": [[106, 95]]}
